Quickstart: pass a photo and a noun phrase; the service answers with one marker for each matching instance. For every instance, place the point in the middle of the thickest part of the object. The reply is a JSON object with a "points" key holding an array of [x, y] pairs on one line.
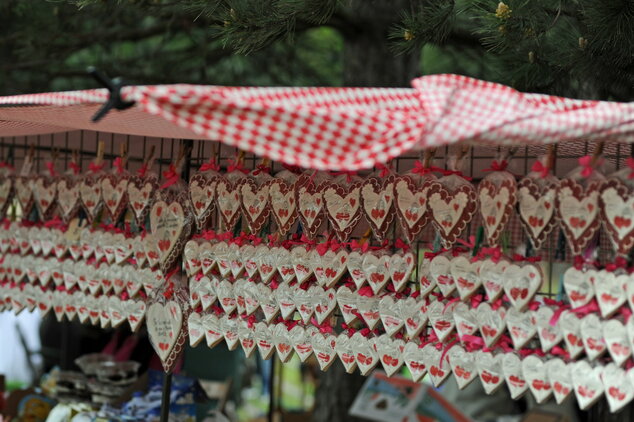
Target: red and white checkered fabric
{"points": [[331, 128]]}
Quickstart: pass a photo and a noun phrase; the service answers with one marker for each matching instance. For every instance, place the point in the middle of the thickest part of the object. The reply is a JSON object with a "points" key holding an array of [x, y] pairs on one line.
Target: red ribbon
{"points": [[449, 345], [261, 168], [420, 169], [95, 168], [630, 164], [401, 245], [619, 262], [354, 245], [469, 244], [210, 165], [349, 174], [51, 168], [141, 172], [580, 262], [384, 170], [561, 307], [324, 328], [457, 173], [539, 167], [4, 164], [584, 310], [498, 166], [587, 163], [118, 164], [236, 165], [170, 176], [495, 254], [365, 291], [532, 259], [292, 169]]}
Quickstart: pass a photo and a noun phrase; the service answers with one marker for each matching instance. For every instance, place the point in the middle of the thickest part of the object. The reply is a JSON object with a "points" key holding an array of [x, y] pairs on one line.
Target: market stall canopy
{"points": [[329, 128]]}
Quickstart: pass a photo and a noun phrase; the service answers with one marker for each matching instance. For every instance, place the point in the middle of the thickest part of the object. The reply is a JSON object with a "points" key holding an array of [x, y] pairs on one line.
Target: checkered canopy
{"points": [[330, 128]]}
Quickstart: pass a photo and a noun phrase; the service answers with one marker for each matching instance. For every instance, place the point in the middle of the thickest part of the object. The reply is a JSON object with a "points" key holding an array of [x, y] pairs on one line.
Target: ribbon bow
{"points": [[539, 167], [51, 168], [261, 168], [630, 164], [118, 164], [170, 176], [619, 262], [531, 259], [75, 167], [498, 166], [236, 165], [95, 168], [210, 165], [384, 170], [349, 174], [588, 163]]}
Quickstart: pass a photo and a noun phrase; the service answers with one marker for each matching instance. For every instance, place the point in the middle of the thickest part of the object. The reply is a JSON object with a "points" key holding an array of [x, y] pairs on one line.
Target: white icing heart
{"points": [[463, 366], [592, 336], [617, 341], [521, 284], [586, 382], [490, 370], [537, 377], [560, 378], [578, 287], [513, 375], [520, 327], [610, 290], [390, 353], [549, 334], [164, 322]]}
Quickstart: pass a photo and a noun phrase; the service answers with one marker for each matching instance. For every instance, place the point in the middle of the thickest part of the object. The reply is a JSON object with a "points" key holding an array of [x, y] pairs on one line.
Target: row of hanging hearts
{"points": [[414, 199], [104, 311], [88, 278], [475, 324], [544, 377]]}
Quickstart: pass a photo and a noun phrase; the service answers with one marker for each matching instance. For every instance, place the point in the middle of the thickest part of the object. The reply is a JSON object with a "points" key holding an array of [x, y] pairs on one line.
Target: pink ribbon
{"points": [[470, 244], [324, 328], [449, 345], [354, 245], [75, 167], [384, 170], [498, 166], [587, 164], [619, 262], [365, 291], [532, 259], [586, 309], [170, 176], [495, 254]]}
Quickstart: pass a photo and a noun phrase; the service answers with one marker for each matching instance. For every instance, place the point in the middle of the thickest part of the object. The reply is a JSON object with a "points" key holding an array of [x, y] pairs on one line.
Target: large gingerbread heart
{"points": [[310, 204], [114, 194], [343, 207], [68, 197], [202, 191], [23, 186], [254, 194], [45, 194], [6, 193], [167, 329], [411, 205], [578, 210], [617, 212], [451, 209], [170, 227], [377, 197], [282, 201], [537, 209], [497, 193], [228, 199], [141, 195], [90, 194]]}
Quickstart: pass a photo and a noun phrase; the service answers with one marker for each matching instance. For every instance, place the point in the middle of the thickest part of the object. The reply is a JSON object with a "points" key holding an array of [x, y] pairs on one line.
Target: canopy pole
{"points": [[165, 397]]}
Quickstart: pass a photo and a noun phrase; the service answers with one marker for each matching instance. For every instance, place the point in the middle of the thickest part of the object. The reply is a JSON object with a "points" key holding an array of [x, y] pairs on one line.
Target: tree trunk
{"points": [[367, 61]]}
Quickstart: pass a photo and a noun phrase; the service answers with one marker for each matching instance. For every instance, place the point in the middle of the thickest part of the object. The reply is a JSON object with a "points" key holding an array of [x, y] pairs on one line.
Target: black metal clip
{"points": [[114, 100]]}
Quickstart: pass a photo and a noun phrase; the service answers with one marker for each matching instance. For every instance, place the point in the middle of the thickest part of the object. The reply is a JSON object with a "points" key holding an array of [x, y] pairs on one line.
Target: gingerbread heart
{"points": [[451, 209], [466, 276], [170, 227], [376, 270], [285, 296], [324, 300], [347, 302], [521, 284], [400, 268], [268, 302], [549, 334], [578, 286], [343, 207], [619, 390], [45, 195], [440, 273], [283, 203], [247, 338], [391, 313], [466, 321], [355, 268], [6, 193], [282, 342], [264, 340], [592, 336], [23, 186], [586, 382], [426, 282], [310, 204], [114, 192], [228, 199], [463, 366], [413, 357], [346, 352], [560, 378], [377, 198], [411, 205], [571, 330], [254, 194], [578, 211], [415, 315], [140, 191], [490, 370], [617, 341], [441, 318], [491, 323], [301, 263], [166, 330], [324, 349], [229, 328], [536, 375], [369, 310], [301, 341], [537, 208], [498, 194], [617, 213], [215, 330], [437, 364], [513, 375], [390, 353], [611, 292], [520, 327], [90, 195], [202, 191]]}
